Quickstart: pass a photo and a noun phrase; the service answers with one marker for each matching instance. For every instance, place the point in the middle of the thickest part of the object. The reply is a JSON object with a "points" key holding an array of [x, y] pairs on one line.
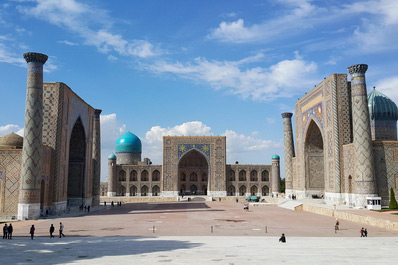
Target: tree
{"points": [[393, 201], [282, 187]]}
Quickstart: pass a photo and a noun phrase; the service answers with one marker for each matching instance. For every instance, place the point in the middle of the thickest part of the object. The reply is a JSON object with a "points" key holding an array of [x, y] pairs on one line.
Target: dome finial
{"points": [[374, 88]]}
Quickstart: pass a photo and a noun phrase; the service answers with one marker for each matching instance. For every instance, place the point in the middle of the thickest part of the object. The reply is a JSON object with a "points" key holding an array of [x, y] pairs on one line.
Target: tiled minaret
{"points": [[96, 157], [363, 149], [276, 179], [29, 194], [288, 150]]}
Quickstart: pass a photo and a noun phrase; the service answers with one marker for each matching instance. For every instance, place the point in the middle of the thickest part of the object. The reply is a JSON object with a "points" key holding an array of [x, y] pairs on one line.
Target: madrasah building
{"points": [[345, 147], [56, 165], [192, 165]]}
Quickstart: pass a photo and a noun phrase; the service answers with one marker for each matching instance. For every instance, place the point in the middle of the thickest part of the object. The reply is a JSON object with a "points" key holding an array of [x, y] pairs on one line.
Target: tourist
{"points": [[362, 232], [337, 224], [237, 200], [105, 203], [112, 204], [5, 231], [10, 230], [365, 233], [32, 232], [246, 207], [61, 229], [52, 228], [282, 239]]}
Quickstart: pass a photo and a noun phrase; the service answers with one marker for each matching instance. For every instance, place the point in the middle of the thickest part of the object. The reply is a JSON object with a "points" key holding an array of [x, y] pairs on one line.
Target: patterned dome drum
{"points": [[381, 107], [128, 142], [12, 140]]}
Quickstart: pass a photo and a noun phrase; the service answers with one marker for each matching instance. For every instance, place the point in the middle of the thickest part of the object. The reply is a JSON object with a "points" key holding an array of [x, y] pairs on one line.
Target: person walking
{"points": [[10, 230], [362, 232], [52, 229], [5, 231], [365, 233], [282, 239], [61, 229], [32, 232]]}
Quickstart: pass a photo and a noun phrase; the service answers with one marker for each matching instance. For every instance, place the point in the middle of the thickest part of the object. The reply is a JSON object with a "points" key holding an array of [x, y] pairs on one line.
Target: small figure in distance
{"points": [[282, 239], [365, 233], [362, 232], [61, 230], [52, 228], [5, 231], [10, 230], [246, 207], [112, 204], [32, 232]]}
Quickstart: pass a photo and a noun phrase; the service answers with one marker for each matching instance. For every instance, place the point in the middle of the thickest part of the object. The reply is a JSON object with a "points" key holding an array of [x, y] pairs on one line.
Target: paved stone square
{"points": [[198, 233]]}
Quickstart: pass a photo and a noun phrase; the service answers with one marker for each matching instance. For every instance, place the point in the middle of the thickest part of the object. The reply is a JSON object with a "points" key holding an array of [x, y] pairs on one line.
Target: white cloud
{"points": [[239, 146], [112, 58], [282, 79], [66, 42], [91, 24], [299, 17], [8, 56], [9, 128], [389, 87]]}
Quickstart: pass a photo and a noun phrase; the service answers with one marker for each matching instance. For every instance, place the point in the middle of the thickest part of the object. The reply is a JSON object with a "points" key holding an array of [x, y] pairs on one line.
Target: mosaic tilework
{"points": [[10, 165], [364, 173], [288, 148], [203, 148]]}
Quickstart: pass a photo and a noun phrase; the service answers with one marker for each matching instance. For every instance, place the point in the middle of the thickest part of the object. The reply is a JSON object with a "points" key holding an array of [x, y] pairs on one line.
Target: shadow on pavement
{"points": [[77, 249]]}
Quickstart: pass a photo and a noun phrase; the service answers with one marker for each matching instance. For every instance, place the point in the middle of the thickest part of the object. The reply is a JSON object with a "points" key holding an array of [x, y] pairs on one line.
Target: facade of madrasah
{"points": [[192, 165], [56, 165], [345, 147]]}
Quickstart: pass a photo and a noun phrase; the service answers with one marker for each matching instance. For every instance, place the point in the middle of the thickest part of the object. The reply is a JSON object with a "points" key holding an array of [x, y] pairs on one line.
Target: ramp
{"points": [[291, 205]]}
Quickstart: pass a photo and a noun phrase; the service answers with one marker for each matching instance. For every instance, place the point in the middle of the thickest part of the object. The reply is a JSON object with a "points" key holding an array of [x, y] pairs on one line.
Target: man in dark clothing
{"points": [[282, 239], [10, 230], [5, 231], [52, 228], [32, 232]]}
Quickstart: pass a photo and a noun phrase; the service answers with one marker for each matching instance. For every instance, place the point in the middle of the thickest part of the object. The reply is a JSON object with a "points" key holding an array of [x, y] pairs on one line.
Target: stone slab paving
{"points": [[197, 233], [199, 250]]}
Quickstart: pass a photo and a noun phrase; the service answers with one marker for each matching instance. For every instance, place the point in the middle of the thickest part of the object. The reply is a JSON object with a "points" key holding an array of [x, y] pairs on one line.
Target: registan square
{"points": [[327, 194]]}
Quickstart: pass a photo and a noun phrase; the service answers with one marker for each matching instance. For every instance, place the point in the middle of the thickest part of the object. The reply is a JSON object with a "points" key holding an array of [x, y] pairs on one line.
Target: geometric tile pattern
{"points": [[288, 148], [10, 165], [31, 153], [364, 170]]}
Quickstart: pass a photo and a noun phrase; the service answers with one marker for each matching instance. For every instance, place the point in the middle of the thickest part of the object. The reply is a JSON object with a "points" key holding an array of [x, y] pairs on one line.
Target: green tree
{"points": [[393, 201], [282, 187]]}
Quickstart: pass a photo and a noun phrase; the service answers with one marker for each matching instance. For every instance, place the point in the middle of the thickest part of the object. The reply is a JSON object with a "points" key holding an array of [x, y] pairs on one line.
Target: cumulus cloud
{"points": [[389, 87], [240, 147], [282, 79], [9, 128], [91, 24]]}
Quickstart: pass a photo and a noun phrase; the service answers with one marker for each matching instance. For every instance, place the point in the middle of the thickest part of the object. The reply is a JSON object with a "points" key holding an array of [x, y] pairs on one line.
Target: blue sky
{"points": [[194, 67]]}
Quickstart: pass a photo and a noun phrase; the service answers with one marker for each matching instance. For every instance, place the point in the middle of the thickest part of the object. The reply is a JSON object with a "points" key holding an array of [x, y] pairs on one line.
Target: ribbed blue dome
{"points": [[128, 142], [381, 107], [112, 156], [275, 157]]}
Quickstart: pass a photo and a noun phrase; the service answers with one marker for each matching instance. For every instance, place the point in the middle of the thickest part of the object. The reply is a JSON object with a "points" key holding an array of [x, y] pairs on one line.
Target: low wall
{"points": [[353, 217]]}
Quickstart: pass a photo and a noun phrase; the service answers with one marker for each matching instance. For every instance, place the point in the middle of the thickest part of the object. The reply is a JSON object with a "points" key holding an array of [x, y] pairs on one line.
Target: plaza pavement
{"points": [[197, 233]]}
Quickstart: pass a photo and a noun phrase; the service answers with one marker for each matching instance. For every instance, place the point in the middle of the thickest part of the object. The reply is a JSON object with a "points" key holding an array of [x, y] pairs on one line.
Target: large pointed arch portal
{"points": [[314, 160], [193, 171], [77, 164]]}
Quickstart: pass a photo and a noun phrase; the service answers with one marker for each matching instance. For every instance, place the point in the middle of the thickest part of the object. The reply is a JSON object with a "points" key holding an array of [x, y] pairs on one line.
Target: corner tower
{"points": [[29, 194]]}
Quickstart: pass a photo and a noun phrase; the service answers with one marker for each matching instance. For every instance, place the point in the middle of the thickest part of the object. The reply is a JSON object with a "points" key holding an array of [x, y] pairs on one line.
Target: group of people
{"points": [[7, 231], [364, 232], [52, 229], [86, 208]]}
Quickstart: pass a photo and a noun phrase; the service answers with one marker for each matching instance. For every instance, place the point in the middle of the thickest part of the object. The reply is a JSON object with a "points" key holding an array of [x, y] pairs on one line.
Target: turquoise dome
{"points": [[128, 142], [381, 107], [112, 156], [275, 157]]}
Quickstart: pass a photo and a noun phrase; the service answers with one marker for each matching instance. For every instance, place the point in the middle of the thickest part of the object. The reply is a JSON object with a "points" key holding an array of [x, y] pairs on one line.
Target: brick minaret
{"points": [[288, 150], [96, 157], [111, 176], [29, 194], [363, 149], [276, 182]]}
